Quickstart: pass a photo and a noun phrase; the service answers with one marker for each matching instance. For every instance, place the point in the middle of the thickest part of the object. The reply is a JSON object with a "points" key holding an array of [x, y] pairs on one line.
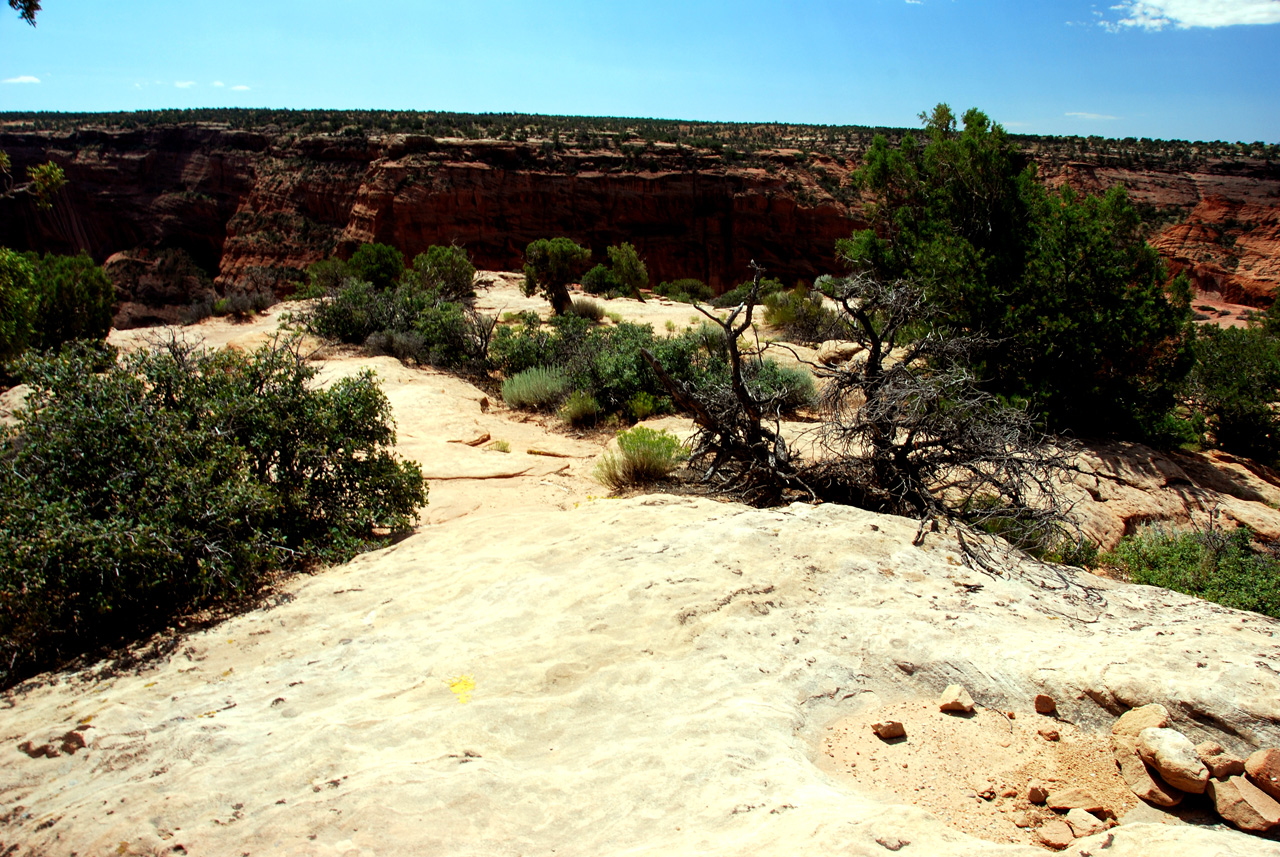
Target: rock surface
{"points": [[956, 700], [1220, 763], [1263, 768], [1244, 805], [1174, 758]]}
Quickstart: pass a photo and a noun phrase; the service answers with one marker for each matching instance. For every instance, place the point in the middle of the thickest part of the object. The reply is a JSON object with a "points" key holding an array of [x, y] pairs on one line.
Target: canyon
{"points": [[245, 204]]}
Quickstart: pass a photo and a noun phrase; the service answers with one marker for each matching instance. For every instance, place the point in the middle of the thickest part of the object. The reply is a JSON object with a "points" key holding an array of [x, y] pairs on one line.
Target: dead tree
{"points": [[905, 428]]}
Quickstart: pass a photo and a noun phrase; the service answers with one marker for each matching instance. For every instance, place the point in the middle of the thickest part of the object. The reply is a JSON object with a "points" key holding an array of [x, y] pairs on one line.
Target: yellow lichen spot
{"points": [[151, 684], [462, 685]]}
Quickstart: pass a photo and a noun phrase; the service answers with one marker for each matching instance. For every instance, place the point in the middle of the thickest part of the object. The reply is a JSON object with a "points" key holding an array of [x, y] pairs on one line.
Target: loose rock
{"points": [[888, 729], [1220, 763], [1135, 720], [1174, 757], [1244, 805], [1055, 834], [956, 699], [1045, 704], [1048, 733], [1263, 768], [1083, 823], [1075, 798], [1037, 792], [1145, 783]]}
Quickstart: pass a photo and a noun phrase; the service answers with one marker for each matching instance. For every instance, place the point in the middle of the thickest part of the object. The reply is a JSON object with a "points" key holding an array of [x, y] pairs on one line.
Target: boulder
{"points": [[1135, 720], [1145, 783], [955, 699], [1174, 757], [1220, 763], [1263, 769], [1245, 806], [1055, 834], [1083, 823], [835, 351]]}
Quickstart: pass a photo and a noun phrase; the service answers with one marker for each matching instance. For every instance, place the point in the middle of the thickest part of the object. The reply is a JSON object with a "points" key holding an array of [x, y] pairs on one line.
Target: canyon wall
{"points": [[236, 201]]}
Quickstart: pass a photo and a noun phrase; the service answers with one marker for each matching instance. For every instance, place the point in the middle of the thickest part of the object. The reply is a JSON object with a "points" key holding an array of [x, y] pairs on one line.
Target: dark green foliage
{"points": [[685, 291], [1229, 568], [176, 479], [447, 270], [76, 300], [800, 316], [1233, 388], [789, 388], [379, 264], [17, 287], [1071, 296], [551, 264], [414, 320], [601, 281], [628, 269], [326, 276], [738, 294], [580, 409]]}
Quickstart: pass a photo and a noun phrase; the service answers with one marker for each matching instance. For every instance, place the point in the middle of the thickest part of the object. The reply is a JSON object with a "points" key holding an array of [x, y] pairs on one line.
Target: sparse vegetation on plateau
{"points": [[644, 455]]}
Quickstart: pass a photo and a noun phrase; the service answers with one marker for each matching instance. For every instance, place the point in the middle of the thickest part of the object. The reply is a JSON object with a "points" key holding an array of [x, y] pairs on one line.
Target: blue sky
{"points": [[1191, 69]]}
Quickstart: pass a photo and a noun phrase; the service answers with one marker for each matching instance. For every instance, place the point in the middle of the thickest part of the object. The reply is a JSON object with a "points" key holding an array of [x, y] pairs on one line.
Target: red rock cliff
{"points": [[236, 200]]}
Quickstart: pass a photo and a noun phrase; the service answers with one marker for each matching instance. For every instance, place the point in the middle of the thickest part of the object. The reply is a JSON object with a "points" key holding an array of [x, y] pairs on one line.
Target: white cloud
{"points": [[184, 84], [240, 88], [1185, 14], [22, 78], [219, 84], [1092, 116]]}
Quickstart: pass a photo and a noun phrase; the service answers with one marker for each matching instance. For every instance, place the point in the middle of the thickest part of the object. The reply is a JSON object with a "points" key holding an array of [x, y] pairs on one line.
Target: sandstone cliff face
{"points": [[236, 200]]}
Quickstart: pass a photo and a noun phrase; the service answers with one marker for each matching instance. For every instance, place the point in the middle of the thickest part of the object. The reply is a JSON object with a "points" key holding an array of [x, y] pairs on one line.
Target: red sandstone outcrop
{"points": [[237, 200]]}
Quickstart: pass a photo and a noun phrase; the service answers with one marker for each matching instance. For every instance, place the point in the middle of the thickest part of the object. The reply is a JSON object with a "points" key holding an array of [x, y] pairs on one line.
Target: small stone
{"points": [[1174, 757], [1244, 805], [1083, 823], [1135, 720], [1048, 733], [1020, 820], [1055, 834], [73, 741], [1065, 800], [893, 843], [1263, 768], [956, 699], [1037, 792], [1045, 704], [37, 751], [1221, 764], [988, 793], [887, 730], [1008, 792]]}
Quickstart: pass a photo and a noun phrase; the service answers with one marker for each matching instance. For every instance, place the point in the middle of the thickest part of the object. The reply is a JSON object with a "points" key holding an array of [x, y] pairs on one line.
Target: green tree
{"points": [[628, 268], [17, 288], [447, 270], [550, 266], [1064, 286], [1234, 385], [379, 264], [75, 300]]}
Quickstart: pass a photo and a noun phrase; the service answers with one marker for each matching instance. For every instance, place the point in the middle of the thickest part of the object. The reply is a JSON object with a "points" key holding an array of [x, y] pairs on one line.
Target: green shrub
{"points": [[644, 455], [601, 281], [1227, 568], [447, 271], [17, 287], [580, 409], [801, 316], [538, 388], [326, 277], [737, 295], [550, 265], [379, 264], [1235, 380], [643, 405], [786, 389], [685, 291], [628, 269], [176, 479], [587, 308], [76, 300]]}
